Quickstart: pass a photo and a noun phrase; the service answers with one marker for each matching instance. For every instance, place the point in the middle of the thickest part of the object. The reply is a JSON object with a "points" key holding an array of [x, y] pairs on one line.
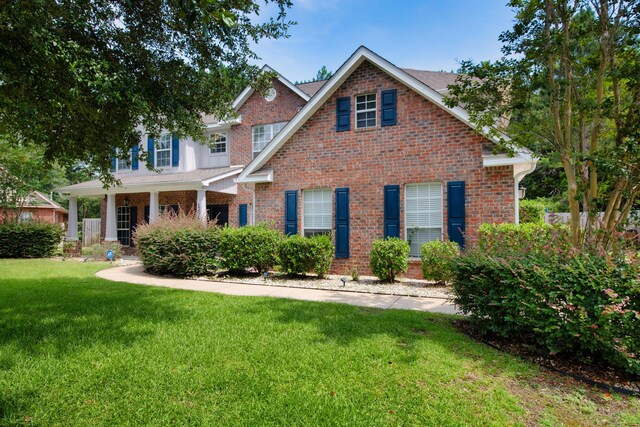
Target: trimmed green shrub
{"points": [[29, 239], [508, 239], [300, 255], [389, 257], [586, 305], [180, 245], [531, 212], [436, 257], [249, 247]]}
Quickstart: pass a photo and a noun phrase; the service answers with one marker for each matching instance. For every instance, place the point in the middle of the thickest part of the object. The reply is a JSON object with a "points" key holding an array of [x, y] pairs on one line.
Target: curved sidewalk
{"points": [[135, 274]]}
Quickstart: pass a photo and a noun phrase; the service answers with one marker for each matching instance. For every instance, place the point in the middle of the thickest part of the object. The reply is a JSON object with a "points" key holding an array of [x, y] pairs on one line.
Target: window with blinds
{"points": [[316, 211], [423, 214]]}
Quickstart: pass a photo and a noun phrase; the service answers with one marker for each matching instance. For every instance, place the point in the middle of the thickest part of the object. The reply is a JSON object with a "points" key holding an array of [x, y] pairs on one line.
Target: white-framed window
{"points": [[163, 151], [316, 211], [366, 111], [123, 225], [124, 162], [262, 134], [422, 214], [25, 216], [218, 143]]}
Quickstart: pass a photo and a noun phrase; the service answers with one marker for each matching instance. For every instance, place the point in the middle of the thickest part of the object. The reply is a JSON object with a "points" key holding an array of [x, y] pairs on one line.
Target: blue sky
{"points": [[427, 34]]}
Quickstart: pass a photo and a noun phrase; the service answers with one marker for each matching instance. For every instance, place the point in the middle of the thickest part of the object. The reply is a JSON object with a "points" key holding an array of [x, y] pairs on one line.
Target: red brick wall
{"points": [[426, 145]]}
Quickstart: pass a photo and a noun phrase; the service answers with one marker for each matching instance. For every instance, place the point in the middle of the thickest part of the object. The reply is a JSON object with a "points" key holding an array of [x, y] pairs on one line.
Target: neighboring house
{"points": [[369, 153], [39, 207]]}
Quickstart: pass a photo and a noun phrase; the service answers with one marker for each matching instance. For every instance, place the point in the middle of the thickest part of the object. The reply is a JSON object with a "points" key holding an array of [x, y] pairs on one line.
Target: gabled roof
{"points": [[39, 200], [361, 55], [310, 88], [248, 91]]}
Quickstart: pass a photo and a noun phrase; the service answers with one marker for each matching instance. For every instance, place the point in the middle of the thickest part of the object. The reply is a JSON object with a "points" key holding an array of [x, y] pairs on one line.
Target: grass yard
{"points": [[78, 350]]}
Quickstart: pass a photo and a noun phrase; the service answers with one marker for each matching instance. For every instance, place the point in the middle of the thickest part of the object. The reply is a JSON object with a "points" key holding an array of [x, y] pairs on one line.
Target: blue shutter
{"points": [[113, 164], [342, 223], [391, 211], [134, 157], [456, 212], [175, 150], [242, 215], [388, 108], [150, 150], [291, 212], [343, 114], [146, 214]]}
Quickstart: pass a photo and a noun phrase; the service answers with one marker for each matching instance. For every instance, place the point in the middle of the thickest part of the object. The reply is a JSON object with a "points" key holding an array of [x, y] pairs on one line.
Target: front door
{"points": [[218, 213]]}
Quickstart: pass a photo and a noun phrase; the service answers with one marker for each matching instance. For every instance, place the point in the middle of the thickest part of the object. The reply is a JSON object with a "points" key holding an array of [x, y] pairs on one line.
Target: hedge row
{"points": [[29, 239], [185, 246], [527, 284]]}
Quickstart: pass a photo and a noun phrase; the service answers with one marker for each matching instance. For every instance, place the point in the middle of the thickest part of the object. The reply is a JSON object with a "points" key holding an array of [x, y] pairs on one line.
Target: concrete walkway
{"points": [[135, 274]]}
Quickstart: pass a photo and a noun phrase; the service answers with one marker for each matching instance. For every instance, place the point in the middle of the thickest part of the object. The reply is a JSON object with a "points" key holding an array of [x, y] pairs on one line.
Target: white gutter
{"points": [[519, 172]]}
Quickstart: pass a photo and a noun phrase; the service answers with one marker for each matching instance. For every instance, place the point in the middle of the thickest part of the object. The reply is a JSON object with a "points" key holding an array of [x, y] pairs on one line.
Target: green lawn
{"points": [[78, 350]]}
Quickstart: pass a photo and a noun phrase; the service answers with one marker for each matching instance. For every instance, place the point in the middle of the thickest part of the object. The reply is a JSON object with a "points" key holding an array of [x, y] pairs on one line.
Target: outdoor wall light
{"points": [[126, 201], [521, 192]]}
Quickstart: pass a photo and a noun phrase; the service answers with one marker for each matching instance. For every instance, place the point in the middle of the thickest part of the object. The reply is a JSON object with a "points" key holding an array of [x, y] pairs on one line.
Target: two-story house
{"points": [[369, 153]]}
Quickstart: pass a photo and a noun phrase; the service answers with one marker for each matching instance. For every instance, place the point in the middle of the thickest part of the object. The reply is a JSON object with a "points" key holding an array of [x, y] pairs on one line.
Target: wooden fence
{"points": [[90, 231]]}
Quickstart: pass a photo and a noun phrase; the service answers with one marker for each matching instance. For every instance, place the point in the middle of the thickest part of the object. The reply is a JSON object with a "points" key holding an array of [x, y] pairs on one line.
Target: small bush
{"points": [[389, 257], [249, 247], [29, 239], [586, 305], [436, 257], [178, 245], [300, 255], [99, 251], [508, 239], [531, 212]]}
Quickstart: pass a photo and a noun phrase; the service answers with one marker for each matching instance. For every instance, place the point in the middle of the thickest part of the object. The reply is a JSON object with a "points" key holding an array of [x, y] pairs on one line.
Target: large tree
{"points": [[569, 87], [82, 77]]}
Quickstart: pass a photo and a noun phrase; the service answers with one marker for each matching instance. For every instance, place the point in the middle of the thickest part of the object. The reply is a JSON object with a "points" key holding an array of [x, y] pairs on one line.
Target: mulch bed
{"points": [[591, 372]]}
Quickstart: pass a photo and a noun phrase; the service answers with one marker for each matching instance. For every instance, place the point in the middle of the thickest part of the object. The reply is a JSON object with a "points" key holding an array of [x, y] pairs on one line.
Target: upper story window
{"points": [[262, 134], [124, 163], [163, 151], [316, 210], [366, 111], [219, 143], [423, 214]]}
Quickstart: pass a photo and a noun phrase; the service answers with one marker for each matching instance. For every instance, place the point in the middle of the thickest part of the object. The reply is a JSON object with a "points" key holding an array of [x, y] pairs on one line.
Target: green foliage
{"points": [[437, 257], [507, 239], [178, 245], [99, 251], [389, 257], [249, 247], [96, 73], [586, 305], [29, 239], [300, 255], [531, 211]]}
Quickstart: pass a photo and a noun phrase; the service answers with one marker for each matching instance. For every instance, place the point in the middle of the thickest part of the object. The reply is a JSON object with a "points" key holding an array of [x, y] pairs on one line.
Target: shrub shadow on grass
{"points": [[66, 314]]}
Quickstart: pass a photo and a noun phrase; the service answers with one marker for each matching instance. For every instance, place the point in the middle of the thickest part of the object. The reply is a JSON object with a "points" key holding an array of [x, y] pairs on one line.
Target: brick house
{"points": [[39, 207], [369, 153]]}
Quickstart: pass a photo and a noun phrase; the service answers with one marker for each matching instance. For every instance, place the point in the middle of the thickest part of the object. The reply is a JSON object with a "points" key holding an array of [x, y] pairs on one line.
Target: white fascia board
{"points": [[225, 124], [206, 182], [248, 91], [257, 178], [504, 160], [355, 60]]}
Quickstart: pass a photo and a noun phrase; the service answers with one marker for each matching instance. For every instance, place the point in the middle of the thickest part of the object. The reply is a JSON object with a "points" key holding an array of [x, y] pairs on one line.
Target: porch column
{"points": [[202, 204], [111, 232], [154, 207], [72, 224]]}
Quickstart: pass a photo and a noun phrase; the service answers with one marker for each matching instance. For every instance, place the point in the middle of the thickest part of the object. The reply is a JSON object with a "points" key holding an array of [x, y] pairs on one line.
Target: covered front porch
{"points": [[144, 198]]}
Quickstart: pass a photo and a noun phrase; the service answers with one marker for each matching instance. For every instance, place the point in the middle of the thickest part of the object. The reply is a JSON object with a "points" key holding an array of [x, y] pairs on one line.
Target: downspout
{"points": [[253, 202], [518, 175]]}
